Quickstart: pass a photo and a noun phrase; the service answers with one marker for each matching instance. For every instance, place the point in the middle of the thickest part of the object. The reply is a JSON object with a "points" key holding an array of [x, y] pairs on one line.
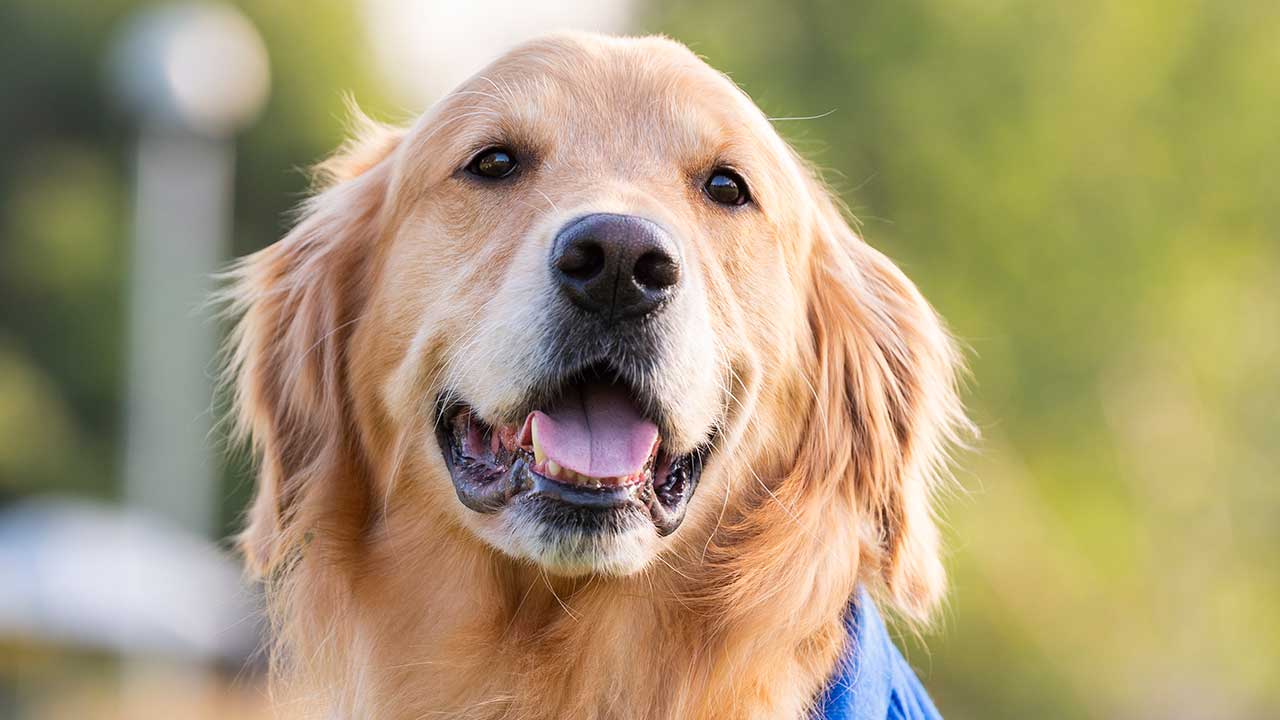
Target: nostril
{"points": [[614, 266], [656, 270], [581, 260]]}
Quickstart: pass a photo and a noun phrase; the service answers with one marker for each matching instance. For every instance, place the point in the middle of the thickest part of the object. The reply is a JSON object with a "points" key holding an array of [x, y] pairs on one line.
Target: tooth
{"points": [[538, 453], [553, 468]]}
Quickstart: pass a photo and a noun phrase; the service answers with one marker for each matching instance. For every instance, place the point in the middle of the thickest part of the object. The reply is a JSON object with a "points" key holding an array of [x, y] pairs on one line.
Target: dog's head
{"points": [[589, 304]]}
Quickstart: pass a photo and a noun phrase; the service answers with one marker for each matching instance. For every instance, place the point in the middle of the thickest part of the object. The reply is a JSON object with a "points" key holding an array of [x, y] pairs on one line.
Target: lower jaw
{"points": [[568, 541], [585, 507]]}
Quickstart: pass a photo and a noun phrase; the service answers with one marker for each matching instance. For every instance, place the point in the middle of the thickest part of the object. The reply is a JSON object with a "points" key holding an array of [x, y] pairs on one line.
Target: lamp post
{"points": [[191, 76]]}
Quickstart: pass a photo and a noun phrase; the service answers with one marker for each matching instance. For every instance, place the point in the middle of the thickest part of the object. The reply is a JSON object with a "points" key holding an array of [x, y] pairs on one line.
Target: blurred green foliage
{"points": [[1087, 191]]}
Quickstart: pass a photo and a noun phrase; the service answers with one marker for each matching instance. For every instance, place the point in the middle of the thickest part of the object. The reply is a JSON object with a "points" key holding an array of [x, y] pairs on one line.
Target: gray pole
{"points": [[192, 75], [181, 224]]}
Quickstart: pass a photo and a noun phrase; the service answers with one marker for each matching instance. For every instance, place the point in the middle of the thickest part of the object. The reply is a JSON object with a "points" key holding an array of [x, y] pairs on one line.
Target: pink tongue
{"points": [[597, 431]]}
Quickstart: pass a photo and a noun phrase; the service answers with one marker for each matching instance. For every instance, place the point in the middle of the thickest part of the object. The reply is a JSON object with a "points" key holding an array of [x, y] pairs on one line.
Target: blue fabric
{"points": [[873, 681]]}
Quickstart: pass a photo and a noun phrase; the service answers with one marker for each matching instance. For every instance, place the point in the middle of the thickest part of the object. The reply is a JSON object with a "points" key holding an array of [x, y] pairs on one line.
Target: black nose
{"points": [[619, 266]]}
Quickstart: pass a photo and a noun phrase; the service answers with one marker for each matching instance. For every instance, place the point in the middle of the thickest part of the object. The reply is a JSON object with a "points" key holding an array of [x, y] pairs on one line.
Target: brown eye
{"points": [[726, 187], [493, 163]]}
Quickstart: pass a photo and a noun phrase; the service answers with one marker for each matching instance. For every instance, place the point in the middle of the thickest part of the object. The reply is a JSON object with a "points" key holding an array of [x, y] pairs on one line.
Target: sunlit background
{"points": [[1089, 191]]}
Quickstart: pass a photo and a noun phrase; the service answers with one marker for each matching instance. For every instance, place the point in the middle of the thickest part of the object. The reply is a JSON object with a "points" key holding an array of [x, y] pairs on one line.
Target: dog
{"points": [[580, 398]]}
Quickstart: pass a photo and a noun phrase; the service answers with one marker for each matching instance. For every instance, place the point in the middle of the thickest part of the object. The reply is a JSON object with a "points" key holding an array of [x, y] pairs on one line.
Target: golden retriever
{"points": [[579, 398]]}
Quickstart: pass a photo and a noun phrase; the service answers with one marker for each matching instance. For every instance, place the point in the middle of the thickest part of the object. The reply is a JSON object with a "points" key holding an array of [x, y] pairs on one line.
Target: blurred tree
{"points": [[1087, 191]]}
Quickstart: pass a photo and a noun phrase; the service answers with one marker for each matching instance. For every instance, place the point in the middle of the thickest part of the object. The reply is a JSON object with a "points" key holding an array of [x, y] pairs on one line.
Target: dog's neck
{"points": [[444, 624]]}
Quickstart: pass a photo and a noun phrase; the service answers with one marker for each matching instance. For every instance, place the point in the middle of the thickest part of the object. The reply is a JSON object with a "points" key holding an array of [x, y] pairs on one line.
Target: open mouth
{"points": [[590, 450]]}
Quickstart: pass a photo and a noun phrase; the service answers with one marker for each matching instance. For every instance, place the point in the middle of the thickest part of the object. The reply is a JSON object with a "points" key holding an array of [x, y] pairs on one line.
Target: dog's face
{"points": [[594, 238], [570, 310]]}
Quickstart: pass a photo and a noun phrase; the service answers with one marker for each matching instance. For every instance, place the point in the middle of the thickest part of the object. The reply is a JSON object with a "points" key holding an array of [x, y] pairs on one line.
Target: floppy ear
{"points": [[885, 373], [298, 301]]}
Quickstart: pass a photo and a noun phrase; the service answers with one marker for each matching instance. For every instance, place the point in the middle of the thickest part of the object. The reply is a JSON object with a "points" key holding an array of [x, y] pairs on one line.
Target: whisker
{"points": [[828, 113]]}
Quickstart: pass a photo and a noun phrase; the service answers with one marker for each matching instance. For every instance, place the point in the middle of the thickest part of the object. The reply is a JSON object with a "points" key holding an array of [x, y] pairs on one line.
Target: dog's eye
{"points": [[726, 187], [493, 163]]}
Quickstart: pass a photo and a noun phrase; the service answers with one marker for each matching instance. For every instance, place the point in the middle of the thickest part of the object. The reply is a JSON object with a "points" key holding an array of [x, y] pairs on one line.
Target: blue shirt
{"points": [[873, 681]]}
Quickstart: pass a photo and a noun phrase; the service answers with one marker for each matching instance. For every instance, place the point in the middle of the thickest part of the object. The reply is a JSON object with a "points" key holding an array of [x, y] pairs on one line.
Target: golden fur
{"points": [[832, 380]]}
